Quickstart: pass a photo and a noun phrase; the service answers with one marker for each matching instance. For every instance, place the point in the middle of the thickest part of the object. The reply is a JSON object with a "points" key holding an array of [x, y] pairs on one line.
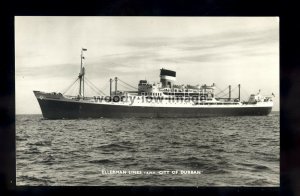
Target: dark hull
{"points": [[59, 109]]}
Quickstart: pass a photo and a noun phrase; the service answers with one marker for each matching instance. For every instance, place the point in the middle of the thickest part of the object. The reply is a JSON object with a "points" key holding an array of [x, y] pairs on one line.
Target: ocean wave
{"points": [[152, 168], [271, 158], [219, 150], [255, 167], [194, 164], [204, 146], [41, 143], [30, 178], [21, 138], [35, 180], [258, 182], [174, 142], [215, 170], [102, 161], [122, 146], [261, 167], [31, 150], [45, 158], [26, 120]]}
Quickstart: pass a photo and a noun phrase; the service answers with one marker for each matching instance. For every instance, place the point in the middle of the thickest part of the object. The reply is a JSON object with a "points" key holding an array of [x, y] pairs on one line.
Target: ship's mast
{"points": [[116, 85], [110, 86], [81, 74], [229, 92], [239, 92]]}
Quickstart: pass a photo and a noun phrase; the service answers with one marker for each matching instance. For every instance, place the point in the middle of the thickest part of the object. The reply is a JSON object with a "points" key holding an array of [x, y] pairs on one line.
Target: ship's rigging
{"points": [[83, 82]]}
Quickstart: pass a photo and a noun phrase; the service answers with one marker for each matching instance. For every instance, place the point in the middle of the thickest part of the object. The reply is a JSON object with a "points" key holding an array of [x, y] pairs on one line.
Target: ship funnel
{"points": [[167, 78]]}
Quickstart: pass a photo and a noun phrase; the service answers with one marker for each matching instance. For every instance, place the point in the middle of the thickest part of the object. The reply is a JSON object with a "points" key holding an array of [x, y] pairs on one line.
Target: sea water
{"points": [[212, 151]]}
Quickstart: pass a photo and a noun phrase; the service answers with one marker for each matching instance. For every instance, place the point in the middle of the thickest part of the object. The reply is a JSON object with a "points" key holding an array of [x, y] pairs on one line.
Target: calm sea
{"points": [[222, 151]]}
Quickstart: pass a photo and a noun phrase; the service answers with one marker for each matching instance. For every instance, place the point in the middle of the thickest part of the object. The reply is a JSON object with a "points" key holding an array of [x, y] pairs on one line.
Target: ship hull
{"points": [[60, 109]]}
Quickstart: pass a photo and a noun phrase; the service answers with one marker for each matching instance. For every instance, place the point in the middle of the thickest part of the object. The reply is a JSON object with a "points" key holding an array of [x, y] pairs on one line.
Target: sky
{"points": [[202, 50]]}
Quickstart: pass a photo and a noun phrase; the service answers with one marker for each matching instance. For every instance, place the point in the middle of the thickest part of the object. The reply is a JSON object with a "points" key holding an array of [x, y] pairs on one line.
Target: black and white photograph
{"points": [[147, 101]]}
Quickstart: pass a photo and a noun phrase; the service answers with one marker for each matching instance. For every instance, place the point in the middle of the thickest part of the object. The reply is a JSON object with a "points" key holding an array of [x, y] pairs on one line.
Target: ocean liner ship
{"points": [[157, 100]]}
